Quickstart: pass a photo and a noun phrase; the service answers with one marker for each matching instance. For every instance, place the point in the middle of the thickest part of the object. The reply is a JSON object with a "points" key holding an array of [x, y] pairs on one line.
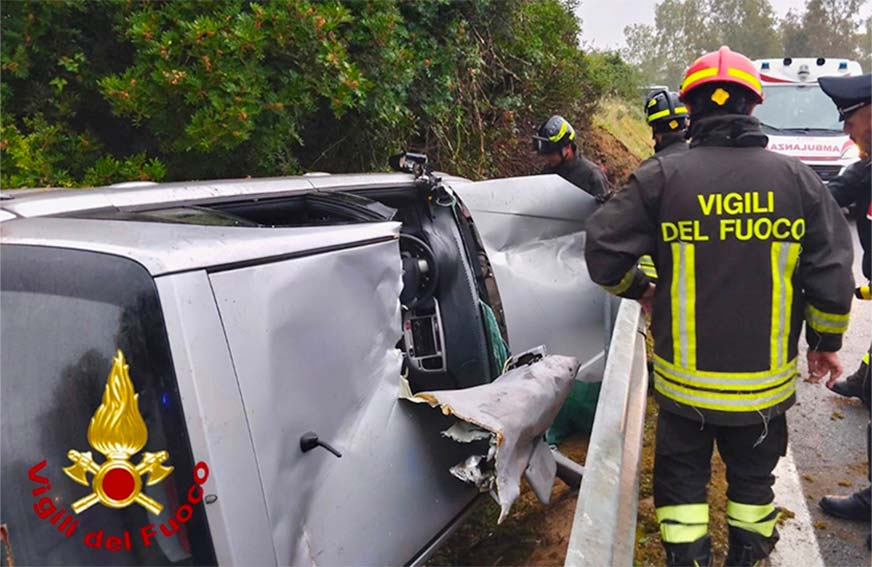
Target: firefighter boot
{"points": [[694, 554], [749, 549], [853, 385]]}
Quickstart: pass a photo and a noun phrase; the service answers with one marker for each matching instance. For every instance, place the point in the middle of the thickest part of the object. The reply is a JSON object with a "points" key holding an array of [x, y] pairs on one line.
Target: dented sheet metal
{"points": [[533, 229], [315, 350], [514, 410]]}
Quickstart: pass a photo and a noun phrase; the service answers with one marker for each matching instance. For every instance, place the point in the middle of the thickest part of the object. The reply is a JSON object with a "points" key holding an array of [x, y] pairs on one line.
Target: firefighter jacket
{"points": [[854, 185], [669, 144], [584, 174], [748, 245]]}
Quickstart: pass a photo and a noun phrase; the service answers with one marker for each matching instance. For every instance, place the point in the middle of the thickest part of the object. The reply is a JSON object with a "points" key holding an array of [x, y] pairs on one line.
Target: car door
{"points": [[533, 229], [313, 341]]}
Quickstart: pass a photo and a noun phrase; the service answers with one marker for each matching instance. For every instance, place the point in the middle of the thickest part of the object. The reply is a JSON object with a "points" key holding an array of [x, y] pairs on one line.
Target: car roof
{"points": [[52, 201], [166, 248], [42, 217]]}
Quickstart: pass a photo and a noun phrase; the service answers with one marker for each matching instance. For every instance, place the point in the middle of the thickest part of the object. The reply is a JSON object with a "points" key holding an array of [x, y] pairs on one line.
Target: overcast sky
{"points": [[603, 21]]}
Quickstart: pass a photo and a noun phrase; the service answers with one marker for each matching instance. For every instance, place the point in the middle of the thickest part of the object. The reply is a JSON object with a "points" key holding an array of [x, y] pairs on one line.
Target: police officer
{"points": [[555, 140], [749, 245], [667, 117], [852, 96]]}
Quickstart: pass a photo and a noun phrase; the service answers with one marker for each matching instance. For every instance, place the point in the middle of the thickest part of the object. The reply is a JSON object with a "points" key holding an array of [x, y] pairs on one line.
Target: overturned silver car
{"points": [[224, 371]]}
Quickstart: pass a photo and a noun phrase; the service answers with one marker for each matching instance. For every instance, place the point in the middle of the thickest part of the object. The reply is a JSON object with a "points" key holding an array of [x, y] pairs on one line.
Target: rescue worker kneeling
{"points": [[732, 294]]}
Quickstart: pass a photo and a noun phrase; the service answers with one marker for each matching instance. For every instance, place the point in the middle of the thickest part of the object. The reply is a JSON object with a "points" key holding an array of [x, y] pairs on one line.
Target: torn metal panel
{"points": [[516, 409], [541, 471], [533, 229]]}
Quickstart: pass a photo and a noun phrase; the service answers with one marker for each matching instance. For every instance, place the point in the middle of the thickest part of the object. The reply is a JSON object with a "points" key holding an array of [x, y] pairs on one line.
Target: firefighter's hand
{"points": [[822, 363], [647, 299]]}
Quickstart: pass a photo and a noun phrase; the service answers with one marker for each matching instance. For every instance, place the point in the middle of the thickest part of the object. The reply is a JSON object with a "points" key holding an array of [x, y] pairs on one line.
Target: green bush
{"points": [[106, 91]]}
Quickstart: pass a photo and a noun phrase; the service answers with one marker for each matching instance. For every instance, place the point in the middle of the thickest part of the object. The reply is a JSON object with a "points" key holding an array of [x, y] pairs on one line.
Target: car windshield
{"points": [[803, 108], [66, 313]]}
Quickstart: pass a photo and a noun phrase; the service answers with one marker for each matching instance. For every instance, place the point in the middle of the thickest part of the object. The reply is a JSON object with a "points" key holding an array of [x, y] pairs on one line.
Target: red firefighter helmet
{"points": [[722, 66]]}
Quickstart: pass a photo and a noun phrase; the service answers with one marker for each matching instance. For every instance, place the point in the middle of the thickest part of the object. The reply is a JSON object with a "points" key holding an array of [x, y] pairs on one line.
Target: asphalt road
{"points": [[828, 455]]}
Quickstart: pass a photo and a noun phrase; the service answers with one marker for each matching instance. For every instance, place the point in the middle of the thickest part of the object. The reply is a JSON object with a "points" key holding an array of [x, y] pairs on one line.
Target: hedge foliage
{"points": [[106, 90]]}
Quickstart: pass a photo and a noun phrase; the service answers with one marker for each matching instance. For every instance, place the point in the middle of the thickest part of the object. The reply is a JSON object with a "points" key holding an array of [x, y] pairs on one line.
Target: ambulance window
{"points": [[65, 314], [799, 109]]}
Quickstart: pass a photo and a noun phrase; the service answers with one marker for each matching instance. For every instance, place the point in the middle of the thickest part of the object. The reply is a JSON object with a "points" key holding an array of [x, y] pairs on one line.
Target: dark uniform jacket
{"points": [[855, 186], [748, 245], [584, 174], [671, 145]]}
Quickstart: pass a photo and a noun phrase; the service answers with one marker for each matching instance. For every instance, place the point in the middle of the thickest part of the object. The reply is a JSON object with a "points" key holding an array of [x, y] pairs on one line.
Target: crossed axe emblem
{"points": [[117, 483]]}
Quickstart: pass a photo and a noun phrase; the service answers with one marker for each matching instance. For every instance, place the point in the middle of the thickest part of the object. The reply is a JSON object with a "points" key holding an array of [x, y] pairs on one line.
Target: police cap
{"points": [[849, 93]]}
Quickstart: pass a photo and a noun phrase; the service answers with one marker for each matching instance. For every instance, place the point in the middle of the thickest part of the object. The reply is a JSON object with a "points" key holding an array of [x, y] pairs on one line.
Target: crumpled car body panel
{"points": [[533, 229]]}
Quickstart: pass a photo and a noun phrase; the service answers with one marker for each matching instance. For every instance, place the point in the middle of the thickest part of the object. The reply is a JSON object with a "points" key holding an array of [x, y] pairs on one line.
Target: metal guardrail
{"points": [[604, 527]]}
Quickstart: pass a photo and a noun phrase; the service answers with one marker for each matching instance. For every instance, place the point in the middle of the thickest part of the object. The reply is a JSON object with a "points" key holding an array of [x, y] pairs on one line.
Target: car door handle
{"points": [[310, 440]]}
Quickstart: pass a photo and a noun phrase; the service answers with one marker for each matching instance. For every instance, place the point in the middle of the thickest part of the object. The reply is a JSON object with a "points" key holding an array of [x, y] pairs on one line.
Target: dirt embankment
{"points": [[619, 140]]}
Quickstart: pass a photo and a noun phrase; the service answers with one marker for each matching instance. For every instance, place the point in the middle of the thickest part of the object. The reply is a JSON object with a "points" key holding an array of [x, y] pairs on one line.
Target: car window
{"points": [[65, 316]]}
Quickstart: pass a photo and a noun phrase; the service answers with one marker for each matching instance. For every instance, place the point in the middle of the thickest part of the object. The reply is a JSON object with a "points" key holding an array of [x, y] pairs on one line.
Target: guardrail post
{"points": [[604, 526]]}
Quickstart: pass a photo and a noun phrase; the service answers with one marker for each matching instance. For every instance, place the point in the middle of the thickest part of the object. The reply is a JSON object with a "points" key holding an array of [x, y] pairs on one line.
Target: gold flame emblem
{"points": [[118, 431]]}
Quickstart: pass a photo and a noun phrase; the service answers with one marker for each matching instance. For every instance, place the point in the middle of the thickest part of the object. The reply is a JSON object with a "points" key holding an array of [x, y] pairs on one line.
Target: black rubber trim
{"points": [[288, 256]]}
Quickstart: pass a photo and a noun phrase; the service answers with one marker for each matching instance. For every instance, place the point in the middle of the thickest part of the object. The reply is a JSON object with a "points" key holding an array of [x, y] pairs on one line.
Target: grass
{"points": [[627, 124]]}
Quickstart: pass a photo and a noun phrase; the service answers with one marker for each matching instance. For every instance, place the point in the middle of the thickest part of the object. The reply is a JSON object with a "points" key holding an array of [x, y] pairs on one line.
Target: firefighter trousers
{"points": [[682, 469]]}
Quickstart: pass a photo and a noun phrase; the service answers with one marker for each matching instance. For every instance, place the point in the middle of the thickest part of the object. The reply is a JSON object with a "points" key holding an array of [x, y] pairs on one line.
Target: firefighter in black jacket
{"points": [[555, 140], [667, 117], [749, 245]]}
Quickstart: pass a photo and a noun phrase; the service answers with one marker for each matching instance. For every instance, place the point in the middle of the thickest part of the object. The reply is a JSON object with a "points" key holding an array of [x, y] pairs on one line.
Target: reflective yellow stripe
{"points": [[680, 533], [784, 256], [728, 402], [739, 74], [652, 102], [622, 285], [683, 523], [763, 528], [824, 322], [727, 381], [646, 264], [674, 299], [684, 513], [690, 260], [556, 137], [757, 519], [660, 361], [664, 113], [683, 300], [866, 358], [749, 512], [699, 75]]}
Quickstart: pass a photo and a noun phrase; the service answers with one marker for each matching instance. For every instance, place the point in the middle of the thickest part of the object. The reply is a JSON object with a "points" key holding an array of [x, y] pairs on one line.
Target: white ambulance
{"points": [[799, 118]]}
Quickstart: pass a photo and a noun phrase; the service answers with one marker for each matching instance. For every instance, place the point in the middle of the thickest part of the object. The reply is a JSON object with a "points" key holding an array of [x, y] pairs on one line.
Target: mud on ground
{"points": [[533, 534]]}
